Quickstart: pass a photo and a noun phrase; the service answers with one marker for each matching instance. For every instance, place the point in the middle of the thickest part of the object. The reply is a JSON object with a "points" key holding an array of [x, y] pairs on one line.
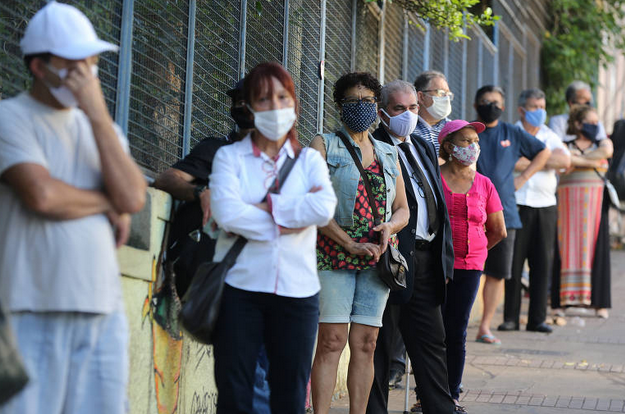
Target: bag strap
{"points": [[231, 257], [365, 179]]}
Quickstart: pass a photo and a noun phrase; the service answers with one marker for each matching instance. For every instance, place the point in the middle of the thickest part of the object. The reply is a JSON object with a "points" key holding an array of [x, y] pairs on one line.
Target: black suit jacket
{"points": [[443, 244]]}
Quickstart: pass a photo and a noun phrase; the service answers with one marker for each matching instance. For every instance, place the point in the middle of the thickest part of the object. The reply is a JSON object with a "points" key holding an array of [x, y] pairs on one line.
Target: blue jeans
{"points": [[461, 292], [287, 326], [77, 363], [261, 386]]}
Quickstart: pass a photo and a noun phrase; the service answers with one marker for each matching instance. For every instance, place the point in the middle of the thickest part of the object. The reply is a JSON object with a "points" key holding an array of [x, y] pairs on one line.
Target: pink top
{"points": [[467, 214]]}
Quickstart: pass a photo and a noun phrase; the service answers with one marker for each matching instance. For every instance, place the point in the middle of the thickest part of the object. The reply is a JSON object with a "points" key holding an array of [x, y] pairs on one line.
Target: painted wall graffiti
{"points": [[160, 309]]}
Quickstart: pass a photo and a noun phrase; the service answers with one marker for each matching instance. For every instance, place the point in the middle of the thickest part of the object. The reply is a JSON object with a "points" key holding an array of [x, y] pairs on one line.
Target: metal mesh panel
{"points": [[393, 42], [367, 51], [506, 17], [157, 85], [416, 41], [504, 75], [437, 49], [14, 77], [303, 58], [488, 66], [533, 63], [264, 33], [518, 68], [454, 77], [215, 67], [338, 55], [471, 74]]}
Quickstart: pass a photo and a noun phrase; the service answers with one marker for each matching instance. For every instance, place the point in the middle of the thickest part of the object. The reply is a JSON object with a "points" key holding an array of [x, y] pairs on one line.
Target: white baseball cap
{"points": [[64, 31]]}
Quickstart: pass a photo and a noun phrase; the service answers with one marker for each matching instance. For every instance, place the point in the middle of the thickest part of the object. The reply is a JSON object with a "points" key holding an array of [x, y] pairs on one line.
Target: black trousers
{"points": [[420, 322], [287, 326], [534, 242]]}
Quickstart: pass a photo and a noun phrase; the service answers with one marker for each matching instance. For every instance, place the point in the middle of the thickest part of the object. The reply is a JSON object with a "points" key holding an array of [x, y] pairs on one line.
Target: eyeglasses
{"points": [[441, 93], [354, 101]]}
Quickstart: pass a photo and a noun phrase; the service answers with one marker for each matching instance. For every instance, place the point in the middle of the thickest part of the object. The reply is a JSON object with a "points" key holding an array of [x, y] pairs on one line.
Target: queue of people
{"points": [[458, 199]]}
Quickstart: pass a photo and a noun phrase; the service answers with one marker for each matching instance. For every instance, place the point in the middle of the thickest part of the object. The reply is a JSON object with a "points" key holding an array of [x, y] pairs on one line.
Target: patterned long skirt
{"points": [[580, 195]]}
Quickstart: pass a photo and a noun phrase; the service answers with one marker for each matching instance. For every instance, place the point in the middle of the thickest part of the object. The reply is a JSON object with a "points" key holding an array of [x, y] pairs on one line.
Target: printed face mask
{"points": [[466, 155], [590, 131], [62, 93], [403, 124], [241, 117], [489, 112], [440, 108], [358, 117], [274, 124], [536, 117]]}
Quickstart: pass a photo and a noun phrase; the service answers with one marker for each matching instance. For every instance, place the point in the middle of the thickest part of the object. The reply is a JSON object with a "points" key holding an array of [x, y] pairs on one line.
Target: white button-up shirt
{"points": [[540, 190], [285, 265], [422, 232]]}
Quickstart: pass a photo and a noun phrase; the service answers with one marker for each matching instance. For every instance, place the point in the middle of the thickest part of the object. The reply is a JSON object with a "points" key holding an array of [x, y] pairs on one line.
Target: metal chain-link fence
{"points": [[167, 86]]}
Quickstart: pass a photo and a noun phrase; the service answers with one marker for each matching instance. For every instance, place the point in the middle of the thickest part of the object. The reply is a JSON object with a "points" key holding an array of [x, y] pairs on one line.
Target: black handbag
{"points": [[13, 376], [392, 265], [200, 308]]}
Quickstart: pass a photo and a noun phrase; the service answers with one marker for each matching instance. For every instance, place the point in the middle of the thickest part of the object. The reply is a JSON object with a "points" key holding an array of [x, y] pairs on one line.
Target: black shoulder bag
{"points": [[392, 266], [201, 302]]}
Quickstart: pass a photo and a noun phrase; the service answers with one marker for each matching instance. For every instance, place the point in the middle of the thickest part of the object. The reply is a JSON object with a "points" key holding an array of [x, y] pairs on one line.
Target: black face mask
{"points": [[242, 117], [489, 112], [590, 131]]}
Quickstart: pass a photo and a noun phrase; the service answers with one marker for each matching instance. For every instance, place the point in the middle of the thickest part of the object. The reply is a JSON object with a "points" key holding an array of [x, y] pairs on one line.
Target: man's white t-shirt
{"points": [[540, 190], [54, 265]]}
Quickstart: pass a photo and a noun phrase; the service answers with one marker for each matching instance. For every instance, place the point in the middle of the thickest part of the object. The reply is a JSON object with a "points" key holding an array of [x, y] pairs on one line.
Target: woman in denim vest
{"points": [[350, 246]]}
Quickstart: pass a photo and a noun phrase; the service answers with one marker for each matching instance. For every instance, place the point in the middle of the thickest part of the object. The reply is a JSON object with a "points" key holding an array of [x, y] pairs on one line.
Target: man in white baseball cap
{"points": [[67, 187]]}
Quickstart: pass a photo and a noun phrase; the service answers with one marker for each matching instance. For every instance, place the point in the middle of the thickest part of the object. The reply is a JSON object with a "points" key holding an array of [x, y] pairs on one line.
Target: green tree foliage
{"points": [[450, 14], [577, 42]]}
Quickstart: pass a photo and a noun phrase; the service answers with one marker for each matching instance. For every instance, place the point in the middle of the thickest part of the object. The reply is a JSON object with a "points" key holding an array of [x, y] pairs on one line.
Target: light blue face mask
{"points": [[537, 117]]}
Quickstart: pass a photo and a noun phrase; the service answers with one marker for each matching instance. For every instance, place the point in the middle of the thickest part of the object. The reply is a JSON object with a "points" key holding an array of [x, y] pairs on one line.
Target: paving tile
{"points": [[483, 397], [536, 400], [547, 364], [616, 405], [550, 401], [576, 402], [563, 402], [589, 404], [602, 404], [536, 363], [523, 400], [496, 398], [510, 399], [616, 368]]}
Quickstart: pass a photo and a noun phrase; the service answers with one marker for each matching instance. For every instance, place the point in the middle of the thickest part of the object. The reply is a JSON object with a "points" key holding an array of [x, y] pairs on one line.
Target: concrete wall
{"points": [[169, 373]]}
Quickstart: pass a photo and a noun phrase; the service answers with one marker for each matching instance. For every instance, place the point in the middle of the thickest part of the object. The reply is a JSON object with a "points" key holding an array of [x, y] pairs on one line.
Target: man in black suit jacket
{"points": [[426, 244]]}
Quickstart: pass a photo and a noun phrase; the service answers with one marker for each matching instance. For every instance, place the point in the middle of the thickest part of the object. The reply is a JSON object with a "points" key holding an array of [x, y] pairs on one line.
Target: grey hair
{"points": [[533, 93], [575, 86], [392, 87], [423, 80]]}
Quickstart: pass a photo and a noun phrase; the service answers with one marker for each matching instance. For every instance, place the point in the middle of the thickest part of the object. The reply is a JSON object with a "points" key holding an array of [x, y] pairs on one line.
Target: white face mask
{"points": [[403, 124], [274, 124], [440, 108], [62, 93]]}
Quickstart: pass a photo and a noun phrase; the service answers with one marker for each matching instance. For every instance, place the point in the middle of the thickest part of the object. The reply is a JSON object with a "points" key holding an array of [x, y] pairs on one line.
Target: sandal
{"points": [[488, 339], [416, 408], [459, 409], [602, 313]]}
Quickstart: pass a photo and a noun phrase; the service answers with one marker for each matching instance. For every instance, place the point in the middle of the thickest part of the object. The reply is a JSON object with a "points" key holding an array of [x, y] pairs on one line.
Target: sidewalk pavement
{"points": [[577, 369]]}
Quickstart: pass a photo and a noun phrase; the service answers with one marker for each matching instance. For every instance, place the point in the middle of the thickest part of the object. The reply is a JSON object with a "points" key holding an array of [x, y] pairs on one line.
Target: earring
{"points": [[450, 158]]}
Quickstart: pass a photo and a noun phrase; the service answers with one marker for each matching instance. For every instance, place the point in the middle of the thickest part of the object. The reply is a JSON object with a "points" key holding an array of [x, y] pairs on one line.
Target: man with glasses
{"points": [[502, 144], [426, 244], [434, 100], [577, 93]]}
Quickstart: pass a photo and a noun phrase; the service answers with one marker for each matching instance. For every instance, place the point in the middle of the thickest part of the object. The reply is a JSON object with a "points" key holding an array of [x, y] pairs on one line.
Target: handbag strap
{"points": [[365, 179], [231, 257]]}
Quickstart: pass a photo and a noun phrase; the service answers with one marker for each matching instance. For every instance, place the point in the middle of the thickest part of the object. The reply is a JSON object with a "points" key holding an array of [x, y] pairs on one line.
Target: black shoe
{"points": [[508, 326], [541, 327], [459, 409], [395, 379]]}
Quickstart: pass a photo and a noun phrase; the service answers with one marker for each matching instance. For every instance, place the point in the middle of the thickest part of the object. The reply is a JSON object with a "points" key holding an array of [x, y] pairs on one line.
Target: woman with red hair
{"points": [[271, 293]]}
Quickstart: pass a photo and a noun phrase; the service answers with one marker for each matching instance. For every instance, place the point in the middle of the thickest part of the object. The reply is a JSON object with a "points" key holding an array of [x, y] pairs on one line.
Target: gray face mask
{"points": [[62, 93]]}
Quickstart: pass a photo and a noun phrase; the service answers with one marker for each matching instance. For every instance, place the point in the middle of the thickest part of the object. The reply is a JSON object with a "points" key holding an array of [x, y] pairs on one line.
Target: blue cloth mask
{"points": [[590, 131], [358, 117], [537, 117]]}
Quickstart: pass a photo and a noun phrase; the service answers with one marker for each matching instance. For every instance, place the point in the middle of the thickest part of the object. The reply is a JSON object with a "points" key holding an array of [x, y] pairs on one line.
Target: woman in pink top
{"points": [[477, 224]]}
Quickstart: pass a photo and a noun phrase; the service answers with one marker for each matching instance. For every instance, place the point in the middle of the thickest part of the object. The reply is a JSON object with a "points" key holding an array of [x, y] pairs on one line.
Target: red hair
{"points": [[258, 81]]}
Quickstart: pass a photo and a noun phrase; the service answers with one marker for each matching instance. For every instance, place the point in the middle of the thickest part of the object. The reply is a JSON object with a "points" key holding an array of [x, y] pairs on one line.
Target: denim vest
{"points": [[345, 176]]}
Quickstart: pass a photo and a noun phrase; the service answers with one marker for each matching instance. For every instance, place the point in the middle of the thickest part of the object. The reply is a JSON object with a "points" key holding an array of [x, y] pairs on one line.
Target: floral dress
{"points": [[333, 256]]}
